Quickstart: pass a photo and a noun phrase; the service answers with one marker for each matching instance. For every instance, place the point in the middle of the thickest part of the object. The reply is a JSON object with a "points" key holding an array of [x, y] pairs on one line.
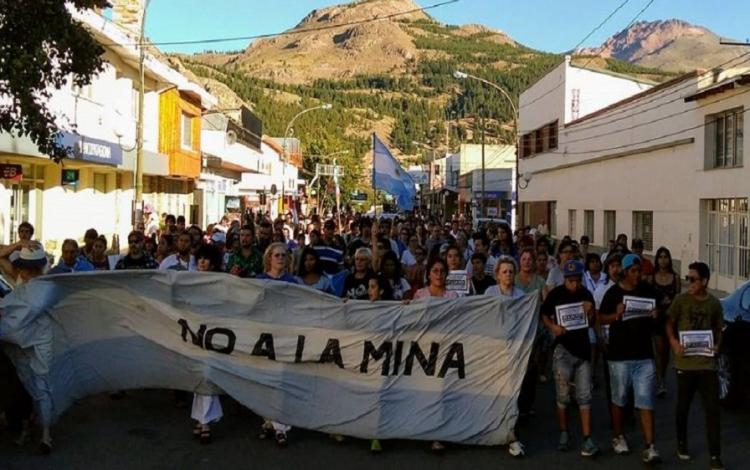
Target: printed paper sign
{"points": [[697, 343], [637, 307], [572, 316], [458, 281]]}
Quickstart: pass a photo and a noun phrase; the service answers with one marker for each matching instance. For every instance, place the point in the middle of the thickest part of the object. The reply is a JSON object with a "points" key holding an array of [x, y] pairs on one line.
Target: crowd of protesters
{"points": [[405, 258]]}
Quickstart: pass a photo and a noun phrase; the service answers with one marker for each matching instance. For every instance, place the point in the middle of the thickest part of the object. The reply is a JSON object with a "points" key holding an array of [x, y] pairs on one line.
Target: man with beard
{"points": [[137, 258], [247, 259], [183, 260]]}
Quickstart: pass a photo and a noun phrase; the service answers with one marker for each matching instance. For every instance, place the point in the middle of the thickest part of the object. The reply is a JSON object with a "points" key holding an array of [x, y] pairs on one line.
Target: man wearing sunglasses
{"points": [[697, 311], [137, 258]]}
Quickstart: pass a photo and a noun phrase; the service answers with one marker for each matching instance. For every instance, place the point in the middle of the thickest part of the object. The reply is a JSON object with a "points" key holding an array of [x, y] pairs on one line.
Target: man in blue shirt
{"points": [[71, 259]]}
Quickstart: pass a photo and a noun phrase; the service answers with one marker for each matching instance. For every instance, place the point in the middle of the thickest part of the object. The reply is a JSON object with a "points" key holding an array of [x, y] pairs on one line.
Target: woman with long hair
{"points": [[437, 271], [391, 272], [98, 255], [504, 243], [206, 409], [310, 271], [527, 278], [668, 284]]}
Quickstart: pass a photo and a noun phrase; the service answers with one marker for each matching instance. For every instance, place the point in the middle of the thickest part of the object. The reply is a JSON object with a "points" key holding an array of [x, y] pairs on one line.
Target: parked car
{"points": [[734, 356]]}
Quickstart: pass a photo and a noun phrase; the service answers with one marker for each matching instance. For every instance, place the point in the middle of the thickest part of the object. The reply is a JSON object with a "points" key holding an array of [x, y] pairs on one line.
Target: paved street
{"points": [[145, 431]]}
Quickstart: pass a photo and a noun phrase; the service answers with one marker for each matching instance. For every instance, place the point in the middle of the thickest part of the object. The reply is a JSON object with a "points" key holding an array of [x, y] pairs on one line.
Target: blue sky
{"points": [[549, 25]]}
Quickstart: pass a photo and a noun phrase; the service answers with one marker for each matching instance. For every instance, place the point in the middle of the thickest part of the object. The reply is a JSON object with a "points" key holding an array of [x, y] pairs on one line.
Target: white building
{"points": [[95, 187], [664, 164]]}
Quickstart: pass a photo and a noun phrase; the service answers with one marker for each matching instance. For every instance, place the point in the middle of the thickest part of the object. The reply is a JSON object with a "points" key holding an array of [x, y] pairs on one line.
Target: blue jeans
{"points": [[641, 375]]}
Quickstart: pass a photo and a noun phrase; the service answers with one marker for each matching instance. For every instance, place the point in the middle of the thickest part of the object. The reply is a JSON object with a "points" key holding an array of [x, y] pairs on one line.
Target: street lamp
{"points": [[285, 157], [459, 75]]}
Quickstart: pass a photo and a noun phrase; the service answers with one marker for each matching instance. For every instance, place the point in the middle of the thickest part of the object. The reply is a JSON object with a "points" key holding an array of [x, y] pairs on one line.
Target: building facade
{"points": [[664, 165]]}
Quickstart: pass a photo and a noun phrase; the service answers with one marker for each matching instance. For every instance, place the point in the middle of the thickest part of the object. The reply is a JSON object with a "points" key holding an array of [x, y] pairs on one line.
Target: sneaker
{"points": [[589, 449], [620, 445], [682, 451], [516, 449], [716, 464], [662, 392], [564, 443], [650, 455]]}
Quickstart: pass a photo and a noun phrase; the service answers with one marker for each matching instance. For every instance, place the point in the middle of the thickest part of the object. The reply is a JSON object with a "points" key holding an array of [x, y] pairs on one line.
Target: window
{"points": [[610, 219], [100, 183], [588, 225], [187, 131], [552, 136], [728, 238], [643, 228], [571, 222], [724, 139], [538, 141], [553, 218]]}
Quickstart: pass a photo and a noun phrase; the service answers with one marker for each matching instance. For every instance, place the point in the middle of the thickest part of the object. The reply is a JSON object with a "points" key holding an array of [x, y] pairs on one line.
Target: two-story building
{"points": [[95, 186], [663, 163]]}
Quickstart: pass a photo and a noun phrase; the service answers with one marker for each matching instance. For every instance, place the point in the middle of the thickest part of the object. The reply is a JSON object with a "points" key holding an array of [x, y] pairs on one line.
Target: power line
{"points": [[628, 110], [587, 36], [628, 26], [291, 32], [631, 144], [575, 48], [623, 129]]}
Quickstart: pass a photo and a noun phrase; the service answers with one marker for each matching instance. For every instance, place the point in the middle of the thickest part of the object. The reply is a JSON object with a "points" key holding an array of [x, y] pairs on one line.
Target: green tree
{"points": [[41, 47]]}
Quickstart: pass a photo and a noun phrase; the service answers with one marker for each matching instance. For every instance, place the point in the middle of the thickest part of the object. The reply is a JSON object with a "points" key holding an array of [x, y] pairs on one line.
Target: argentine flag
{"points": [[389, 176]]}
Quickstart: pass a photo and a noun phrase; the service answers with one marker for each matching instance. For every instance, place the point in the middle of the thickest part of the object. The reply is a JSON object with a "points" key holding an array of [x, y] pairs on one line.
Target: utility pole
{"points": [[483, 188], [138, 203]]}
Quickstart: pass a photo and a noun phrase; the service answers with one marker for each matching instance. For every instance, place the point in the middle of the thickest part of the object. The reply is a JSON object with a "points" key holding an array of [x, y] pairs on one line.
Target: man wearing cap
{"points": [[71, 260], [246, 260], [29, 261], [137, 257], [567, 312], [630, 353]]}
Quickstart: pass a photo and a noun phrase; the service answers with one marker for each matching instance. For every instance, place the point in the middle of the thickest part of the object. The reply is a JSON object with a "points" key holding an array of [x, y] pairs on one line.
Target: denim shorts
{"points": [[569, 368], [641, 375]]}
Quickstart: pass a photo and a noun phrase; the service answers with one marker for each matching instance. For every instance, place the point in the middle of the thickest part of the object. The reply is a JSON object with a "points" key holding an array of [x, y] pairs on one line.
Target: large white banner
{"points": [[435, 369]]}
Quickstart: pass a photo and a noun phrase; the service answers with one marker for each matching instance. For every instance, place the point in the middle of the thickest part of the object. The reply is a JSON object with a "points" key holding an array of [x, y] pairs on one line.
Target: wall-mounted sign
{"points": [[11, 172], [70, 176], [92, 150]]}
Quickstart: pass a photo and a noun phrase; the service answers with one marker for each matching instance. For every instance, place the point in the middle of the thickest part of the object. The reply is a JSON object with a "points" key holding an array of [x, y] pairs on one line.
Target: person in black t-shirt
{"points": [[631, 354], [561, 314], [480, 280]]}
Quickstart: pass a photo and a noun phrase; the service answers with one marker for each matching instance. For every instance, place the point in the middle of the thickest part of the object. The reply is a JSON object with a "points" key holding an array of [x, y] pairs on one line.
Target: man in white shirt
{"points": [[182, 260]]}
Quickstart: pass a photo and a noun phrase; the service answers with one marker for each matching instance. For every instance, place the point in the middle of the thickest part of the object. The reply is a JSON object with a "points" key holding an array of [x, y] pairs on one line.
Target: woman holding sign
{"points": [[567, 312]]}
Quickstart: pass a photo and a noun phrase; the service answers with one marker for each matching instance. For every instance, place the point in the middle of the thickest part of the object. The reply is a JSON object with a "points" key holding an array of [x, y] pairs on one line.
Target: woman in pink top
{"points": [[437, 271]]}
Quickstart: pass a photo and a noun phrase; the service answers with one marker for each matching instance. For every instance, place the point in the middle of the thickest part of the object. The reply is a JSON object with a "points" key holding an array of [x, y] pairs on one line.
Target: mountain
{"points": [[318, 48], [386, 67], [672, 45]]}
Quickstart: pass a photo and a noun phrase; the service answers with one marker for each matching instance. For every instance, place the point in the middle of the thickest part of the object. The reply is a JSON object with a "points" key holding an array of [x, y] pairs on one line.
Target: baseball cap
{"points": [[629, 260], [219, 237], [573, 268]]}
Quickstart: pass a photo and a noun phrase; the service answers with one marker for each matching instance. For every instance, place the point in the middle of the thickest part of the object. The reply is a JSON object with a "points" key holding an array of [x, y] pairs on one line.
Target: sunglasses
{"points": [[691, 279], [134, 242]]}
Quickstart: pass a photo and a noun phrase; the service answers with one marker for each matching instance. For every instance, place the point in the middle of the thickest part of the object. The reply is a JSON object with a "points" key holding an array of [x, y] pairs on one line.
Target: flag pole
{"points": [[374, 191]]}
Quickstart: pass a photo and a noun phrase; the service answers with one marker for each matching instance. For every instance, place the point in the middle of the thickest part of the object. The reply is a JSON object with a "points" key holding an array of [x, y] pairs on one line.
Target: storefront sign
{"points": [[70, 176], [491, 195], [92, 150], [11, 172]]}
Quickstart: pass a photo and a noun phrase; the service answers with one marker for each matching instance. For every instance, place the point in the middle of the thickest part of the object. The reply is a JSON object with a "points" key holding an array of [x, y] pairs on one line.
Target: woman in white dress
{"points": [[206, 408]]}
